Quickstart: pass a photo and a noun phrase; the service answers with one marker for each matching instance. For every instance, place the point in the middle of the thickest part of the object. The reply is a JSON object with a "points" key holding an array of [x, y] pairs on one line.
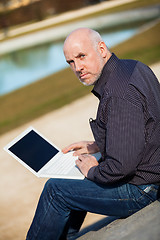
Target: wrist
{"points": [[96, 146]]}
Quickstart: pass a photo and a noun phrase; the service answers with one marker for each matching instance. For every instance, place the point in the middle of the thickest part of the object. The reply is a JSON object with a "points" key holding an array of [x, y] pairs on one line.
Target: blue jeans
{"points": [[63, 200]]}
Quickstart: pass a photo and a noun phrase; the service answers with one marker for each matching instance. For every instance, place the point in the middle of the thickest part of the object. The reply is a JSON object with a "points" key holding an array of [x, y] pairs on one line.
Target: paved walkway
{"points": [[20, 189]]}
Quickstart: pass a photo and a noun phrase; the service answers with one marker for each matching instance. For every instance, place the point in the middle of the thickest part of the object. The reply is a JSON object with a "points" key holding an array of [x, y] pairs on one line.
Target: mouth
{"points": [[83, 76]]}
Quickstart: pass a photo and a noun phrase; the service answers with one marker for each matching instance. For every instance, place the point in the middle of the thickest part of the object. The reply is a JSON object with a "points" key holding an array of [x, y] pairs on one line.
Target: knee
{"points": [[54, 187], [56, 193], [49, 183], [50, 186]]}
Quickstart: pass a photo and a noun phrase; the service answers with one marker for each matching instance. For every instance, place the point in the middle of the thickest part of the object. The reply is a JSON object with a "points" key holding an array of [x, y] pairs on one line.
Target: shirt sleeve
{"points": [[125, 141]]}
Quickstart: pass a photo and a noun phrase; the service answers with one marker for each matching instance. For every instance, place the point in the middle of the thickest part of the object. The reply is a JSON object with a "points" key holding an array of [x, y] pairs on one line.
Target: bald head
{"points": [[86, 53], [88, 34]]}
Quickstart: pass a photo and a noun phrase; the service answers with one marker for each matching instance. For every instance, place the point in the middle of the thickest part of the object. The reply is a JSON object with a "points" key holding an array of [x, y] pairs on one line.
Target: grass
{"points": [[144, 47], [63, 87], [39, 98]]}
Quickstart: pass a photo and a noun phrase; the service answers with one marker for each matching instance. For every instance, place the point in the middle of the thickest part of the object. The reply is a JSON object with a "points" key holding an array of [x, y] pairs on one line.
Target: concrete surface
{"points": [[143, 225]]}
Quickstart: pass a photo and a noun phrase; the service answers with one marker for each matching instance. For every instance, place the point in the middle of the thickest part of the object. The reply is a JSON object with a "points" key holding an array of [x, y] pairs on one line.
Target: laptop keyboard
{"points": [[63, 165]]}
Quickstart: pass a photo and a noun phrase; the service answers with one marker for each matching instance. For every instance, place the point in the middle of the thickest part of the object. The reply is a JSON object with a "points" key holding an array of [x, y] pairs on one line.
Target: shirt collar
{"points": [[107, 69]]}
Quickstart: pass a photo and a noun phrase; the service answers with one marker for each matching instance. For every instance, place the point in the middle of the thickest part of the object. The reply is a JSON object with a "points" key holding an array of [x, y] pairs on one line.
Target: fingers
{"points": [[80, 164], [85, 162], [82, 148], [69, 148], [84, 157], [79, 152], [73, 147]]}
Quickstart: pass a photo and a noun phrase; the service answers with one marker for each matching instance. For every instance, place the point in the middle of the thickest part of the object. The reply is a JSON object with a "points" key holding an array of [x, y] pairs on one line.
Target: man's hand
{"points": [[85, 162], [84, 147]]}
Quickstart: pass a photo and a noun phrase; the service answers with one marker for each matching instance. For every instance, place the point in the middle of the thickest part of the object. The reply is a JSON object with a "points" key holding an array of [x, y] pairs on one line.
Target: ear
{"points": [[102, 49]]}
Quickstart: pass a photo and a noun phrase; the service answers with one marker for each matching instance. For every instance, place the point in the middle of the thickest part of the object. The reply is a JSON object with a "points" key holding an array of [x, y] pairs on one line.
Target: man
{"points": [[126, 132]]}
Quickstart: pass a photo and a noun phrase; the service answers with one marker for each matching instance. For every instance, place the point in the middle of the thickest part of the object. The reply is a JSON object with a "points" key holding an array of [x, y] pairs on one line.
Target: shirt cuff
{"points": [[90, 174]]}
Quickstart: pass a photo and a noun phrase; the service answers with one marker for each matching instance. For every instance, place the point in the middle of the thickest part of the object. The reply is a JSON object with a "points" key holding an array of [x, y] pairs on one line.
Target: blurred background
{"points": [[31, 41], [37, 87]]}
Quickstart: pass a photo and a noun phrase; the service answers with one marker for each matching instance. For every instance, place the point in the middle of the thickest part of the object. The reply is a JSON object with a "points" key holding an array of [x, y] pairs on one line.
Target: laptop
{"points": [[43, 158]]}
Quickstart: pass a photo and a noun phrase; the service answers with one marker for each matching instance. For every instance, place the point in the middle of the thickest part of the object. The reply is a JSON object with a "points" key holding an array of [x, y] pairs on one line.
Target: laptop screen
{"points": [[33, 150]]}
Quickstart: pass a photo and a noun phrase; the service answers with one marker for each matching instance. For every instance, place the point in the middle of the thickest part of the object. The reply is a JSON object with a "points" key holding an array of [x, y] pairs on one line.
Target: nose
{"points": [[78, 66]]}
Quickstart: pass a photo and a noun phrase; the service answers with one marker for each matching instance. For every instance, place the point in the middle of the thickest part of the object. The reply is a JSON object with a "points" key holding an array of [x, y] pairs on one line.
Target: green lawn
{"points": [[63, 87], [38, 98], [144, 47]]}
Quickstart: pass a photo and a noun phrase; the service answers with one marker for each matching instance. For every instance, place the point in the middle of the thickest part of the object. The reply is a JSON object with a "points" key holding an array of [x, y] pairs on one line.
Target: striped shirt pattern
{"points": [[127, 126]]}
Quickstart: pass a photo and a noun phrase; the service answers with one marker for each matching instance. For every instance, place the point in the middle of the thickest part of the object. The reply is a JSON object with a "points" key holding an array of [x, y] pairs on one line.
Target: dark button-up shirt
{"points": [[127, 126]]}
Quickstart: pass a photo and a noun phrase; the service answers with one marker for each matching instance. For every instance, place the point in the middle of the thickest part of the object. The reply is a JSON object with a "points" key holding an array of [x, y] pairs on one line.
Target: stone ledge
{"points": [[143, 225]]}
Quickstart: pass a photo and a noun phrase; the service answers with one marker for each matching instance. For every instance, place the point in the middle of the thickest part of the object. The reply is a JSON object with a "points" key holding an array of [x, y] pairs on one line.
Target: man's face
{"points": [[85, 60]]}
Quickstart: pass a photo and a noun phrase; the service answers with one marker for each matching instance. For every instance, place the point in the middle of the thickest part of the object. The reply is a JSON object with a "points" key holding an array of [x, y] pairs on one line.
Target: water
{"points": [[23, 67]]}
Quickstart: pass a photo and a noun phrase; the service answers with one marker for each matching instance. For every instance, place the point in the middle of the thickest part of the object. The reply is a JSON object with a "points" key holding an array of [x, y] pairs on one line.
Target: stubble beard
{"points": [[92, 82], [95, 76]]}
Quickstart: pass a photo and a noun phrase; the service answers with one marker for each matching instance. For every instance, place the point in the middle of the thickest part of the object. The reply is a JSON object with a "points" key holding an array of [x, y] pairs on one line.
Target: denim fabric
{"points": [[61, 197]]}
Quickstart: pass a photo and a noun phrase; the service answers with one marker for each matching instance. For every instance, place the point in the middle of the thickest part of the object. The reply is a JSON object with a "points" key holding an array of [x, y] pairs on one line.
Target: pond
{"points": [[23, 67]]}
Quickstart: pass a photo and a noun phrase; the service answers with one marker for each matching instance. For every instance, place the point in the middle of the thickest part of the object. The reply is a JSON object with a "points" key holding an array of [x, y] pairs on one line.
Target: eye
{"points": [[70, 62], [82, 56]]}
